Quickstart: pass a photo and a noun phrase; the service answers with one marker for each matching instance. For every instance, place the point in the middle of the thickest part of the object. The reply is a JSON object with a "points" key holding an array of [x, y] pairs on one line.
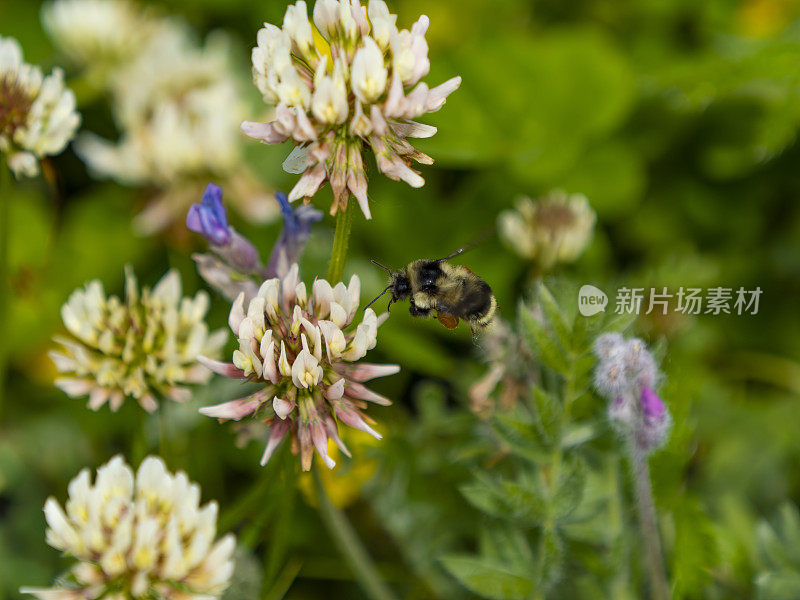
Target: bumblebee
{"points": [[452, 291]]}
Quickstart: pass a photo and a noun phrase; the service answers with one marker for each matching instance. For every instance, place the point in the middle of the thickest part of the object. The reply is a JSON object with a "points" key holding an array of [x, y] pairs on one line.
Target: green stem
{"points": [[350, 546], [5, 271], [647, 521], [341, 240]]}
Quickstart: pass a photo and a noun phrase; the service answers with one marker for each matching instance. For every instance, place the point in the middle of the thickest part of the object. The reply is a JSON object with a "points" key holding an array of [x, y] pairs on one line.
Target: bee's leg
{"points": [[416, 311]]}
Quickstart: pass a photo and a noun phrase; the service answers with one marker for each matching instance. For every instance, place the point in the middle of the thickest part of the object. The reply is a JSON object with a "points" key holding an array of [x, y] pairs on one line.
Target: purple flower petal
{"points": [[209, 218], [212, 198], [652, 406]]}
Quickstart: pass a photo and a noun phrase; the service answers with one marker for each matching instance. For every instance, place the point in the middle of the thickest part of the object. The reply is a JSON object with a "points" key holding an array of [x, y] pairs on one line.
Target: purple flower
{"points": [[652, 406], [209, 217], [297, 224]]}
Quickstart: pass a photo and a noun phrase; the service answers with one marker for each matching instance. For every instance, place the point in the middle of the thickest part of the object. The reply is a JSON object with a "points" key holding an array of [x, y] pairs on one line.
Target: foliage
{"points": [[679, 123]]}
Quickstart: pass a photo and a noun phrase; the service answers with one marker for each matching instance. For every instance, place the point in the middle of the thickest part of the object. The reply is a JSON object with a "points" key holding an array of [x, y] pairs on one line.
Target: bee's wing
{"points": [[446, 319], [477, 241], [296, 161]]}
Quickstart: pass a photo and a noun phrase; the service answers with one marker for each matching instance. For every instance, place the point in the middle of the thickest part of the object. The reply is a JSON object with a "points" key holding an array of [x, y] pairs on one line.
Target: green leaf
{"points": [[485, 495], [778, 586], [549, 412], [580, 433], [488, 579], [551, 558], [506, 544], [541, 342], [555, 317], [526, 500], [520, 433], [570, 489], [695, 551]]}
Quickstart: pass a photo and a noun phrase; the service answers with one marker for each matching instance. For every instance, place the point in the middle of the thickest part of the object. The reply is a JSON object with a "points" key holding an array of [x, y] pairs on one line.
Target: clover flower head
{"points": [[347, 82], [37, 113], [167, 102], [144, 346], [554, 229], [625, 374], [178, 109], [137, 536], [304, 349], [99, 35]]}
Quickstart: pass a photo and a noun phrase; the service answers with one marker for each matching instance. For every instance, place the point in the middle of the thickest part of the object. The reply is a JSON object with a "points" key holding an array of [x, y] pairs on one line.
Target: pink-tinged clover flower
{"points": [[137, 536], [37, 112], [348, 82], [144, 346], [304, 349], [626, 374]]}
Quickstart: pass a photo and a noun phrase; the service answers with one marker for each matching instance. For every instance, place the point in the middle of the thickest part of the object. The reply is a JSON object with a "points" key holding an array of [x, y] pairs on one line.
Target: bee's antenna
{"points": [[479, 240], [386, 289], [375, 262]]}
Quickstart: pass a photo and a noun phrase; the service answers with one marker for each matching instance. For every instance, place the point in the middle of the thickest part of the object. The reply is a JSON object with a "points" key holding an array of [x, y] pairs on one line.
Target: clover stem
{"points": [[5, 272], [341, 240], [351, 547]]}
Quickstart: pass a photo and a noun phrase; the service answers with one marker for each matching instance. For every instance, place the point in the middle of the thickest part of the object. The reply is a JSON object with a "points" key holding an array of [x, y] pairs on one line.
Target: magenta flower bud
{"points": [[652, 406], [655, 422], [209, 218]]}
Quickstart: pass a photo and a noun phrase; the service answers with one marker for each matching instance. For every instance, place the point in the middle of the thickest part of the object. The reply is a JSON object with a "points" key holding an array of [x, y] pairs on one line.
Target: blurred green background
{"points": [[677, 119]]}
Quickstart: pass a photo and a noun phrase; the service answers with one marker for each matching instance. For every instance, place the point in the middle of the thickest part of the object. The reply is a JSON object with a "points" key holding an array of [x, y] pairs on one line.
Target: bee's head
{"points": [[400, 285]]}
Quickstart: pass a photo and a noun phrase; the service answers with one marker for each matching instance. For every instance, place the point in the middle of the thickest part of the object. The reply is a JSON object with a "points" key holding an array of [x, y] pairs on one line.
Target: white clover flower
{"points": [[142, 536], [302, 348], [37, 113], [99, 35], [178, 109], [143, 347], [552, 229], [355, 84]]}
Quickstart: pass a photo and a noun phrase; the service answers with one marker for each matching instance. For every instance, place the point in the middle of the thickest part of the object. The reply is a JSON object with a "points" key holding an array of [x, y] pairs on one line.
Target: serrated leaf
{"points": [[488, 579], [555, 317], [548, 412], [551, 558], [580, 433], [521, 435], [525, 500], [485, 495], [542, 343], [506, 544], [569, 493]]}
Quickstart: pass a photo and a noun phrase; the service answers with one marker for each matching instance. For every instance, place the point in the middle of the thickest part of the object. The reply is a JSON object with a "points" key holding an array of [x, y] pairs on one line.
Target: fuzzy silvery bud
{"points": [[625, 374]]}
